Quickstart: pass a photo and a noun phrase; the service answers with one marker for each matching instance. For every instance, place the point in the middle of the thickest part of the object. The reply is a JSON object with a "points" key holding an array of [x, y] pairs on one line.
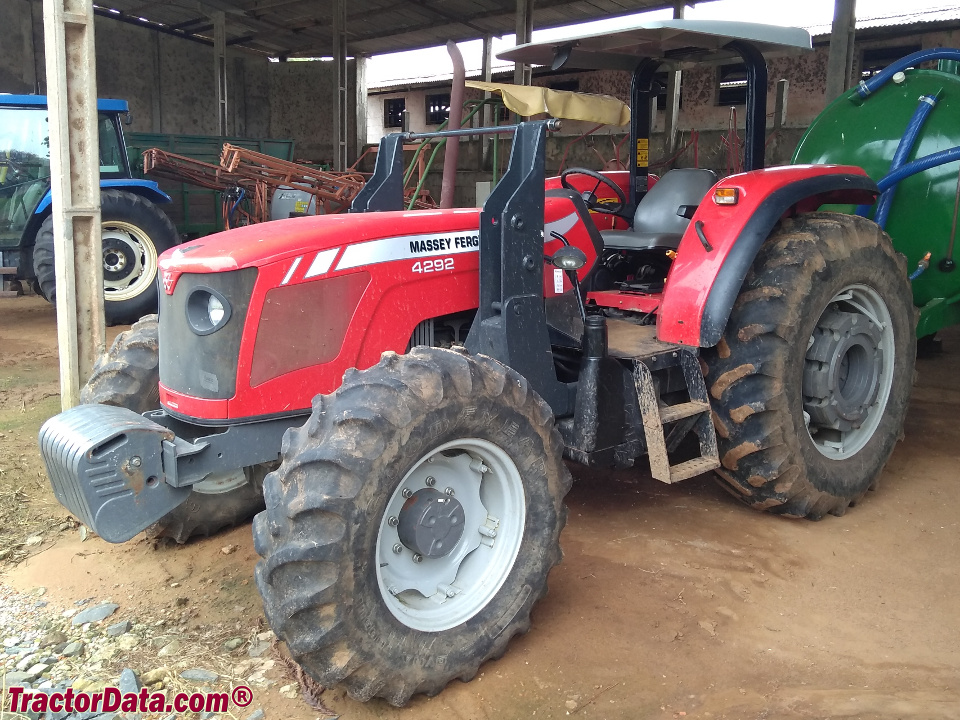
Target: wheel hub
{"points": [[119, 260], [431, 523], [841, 378]]}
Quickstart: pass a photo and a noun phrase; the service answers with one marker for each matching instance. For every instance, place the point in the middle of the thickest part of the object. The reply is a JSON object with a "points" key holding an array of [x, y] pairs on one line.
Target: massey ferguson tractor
{"points": [[401, 388]]}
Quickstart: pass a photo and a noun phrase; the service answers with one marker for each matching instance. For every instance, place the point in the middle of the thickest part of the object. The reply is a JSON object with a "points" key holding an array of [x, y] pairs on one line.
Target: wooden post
{"points": [[486, 114], [672, 111], [340, 85], [220, 68], [780, 108], [360, 96], [522, 73], [840, 60], [75, 186]]}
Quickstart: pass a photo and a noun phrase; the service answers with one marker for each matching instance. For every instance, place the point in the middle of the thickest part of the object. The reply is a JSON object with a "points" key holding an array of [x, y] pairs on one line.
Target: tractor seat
{"points": [[656, 223]]}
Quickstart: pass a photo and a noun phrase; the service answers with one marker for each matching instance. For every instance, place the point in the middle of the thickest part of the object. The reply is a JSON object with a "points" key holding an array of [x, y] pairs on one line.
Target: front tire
{"points": [[355, 575], [811, 381], [135, 232], [128, 376]]}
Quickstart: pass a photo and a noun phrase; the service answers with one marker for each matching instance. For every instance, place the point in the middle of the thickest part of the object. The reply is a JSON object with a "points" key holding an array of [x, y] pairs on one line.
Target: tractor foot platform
{"points": [[666, 425]]}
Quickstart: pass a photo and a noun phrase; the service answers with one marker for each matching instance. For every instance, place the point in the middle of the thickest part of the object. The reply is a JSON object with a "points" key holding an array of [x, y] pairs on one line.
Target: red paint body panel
{"points": [[694, 271], [625, 300], [399, 296]]}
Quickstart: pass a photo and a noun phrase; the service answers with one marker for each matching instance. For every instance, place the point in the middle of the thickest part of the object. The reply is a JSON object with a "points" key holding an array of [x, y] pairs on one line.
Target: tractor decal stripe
{"points": [[293, 269], [561, 226], [321, 263], [409, 246]]}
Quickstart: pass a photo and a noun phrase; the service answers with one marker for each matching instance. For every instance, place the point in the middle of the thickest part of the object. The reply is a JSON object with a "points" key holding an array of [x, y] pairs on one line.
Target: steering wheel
{"points": [[590, 196]]}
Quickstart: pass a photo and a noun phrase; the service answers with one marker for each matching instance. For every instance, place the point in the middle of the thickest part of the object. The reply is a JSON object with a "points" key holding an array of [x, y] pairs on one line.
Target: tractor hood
{"points": [[266, 243]]}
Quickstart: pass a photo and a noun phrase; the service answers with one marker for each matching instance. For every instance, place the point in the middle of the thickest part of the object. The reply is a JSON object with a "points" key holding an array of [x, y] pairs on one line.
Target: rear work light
{"points": [[726, 196]]}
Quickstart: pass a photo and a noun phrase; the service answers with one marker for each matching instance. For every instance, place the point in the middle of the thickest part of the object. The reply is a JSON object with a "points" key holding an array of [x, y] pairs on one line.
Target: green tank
{"points": [[866, 132]]}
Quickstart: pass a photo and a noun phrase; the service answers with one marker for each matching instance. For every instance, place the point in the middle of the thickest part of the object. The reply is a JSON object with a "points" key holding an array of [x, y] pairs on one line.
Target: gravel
{"points": [[50, 649]]}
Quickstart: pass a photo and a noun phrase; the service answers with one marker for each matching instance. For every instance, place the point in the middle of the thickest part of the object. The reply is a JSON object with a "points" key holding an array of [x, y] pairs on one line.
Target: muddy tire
{"points": [[127, 375], [135, 232], [341, 580], [810, 383]]}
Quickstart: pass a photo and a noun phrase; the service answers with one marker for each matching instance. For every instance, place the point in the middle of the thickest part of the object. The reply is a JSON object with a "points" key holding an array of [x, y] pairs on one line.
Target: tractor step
{"points": [[672, 413], [684, 417]]}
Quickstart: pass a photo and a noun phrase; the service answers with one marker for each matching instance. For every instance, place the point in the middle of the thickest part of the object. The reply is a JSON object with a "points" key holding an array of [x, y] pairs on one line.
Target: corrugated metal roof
{"points": [[933, 15], [303, 28]]}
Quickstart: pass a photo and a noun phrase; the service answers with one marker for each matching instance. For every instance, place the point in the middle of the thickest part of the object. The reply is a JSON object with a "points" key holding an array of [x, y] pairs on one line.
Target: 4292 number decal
{"points": [[427, 266]]}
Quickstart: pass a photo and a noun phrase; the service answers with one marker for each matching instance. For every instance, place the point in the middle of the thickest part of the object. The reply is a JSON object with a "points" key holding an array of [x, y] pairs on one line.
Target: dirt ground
{"points": [[671, 601]]}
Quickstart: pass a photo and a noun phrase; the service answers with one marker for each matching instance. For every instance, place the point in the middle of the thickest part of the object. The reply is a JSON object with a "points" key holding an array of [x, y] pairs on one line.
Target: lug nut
{"points": [[430, 481], [449, 491], [417, 558], [407, 492], [398, 548], [392, 521]]}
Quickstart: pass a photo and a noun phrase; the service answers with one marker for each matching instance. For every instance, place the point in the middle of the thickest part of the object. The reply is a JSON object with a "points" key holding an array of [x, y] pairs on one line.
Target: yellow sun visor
{"points": [[529, 100]]}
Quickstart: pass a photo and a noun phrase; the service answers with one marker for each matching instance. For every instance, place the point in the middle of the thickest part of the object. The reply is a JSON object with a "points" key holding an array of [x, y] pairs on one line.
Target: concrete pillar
{"points": [[156, 96], [75, 186], [840, 60], [521, 72], [672, 110], [220, 70], [340, 85]]}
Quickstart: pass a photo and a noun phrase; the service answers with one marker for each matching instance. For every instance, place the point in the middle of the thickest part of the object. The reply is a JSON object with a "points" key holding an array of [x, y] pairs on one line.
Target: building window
{"points": [[438, 108], [876, 59], [393, 112], [732, 80]]}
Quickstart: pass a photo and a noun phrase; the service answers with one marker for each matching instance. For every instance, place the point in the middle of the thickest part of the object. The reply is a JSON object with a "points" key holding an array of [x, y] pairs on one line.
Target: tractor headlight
{"points": [[207, 310], [215, 310]]}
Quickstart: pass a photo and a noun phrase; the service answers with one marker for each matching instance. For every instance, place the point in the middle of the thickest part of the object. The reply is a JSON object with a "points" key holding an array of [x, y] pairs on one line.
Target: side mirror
{"points": [[569, 258]]}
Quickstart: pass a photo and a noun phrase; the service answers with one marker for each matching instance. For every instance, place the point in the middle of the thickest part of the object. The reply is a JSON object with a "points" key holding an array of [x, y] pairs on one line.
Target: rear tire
{"points": [[135, 232], [128, 376], [811, 381], [340, 578]]}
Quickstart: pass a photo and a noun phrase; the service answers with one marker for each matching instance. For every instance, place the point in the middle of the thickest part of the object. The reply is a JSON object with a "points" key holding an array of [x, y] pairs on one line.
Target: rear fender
{"points": [[145, 188], [703, 283]]}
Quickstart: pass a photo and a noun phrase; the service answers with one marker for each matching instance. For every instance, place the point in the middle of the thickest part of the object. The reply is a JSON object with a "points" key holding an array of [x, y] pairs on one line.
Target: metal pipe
{"points": [[452, 151], [867, 87], [552, 125]]}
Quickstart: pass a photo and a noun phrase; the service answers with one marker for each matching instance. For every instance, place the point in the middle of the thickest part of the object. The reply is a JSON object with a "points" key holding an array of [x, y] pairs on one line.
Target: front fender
{"points": [[703, 284], [145, 188]]}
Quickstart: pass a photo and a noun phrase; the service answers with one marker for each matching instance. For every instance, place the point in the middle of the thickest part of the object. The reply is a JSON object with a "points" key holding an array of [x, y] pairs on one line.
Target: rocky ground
{"points": [[96, 643]]}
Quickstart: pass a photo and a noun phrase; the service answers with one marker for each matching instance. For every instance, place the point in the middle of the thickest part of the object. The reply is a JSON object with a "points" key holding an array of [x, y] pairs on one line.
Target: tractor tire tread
{"points": [[307, 578], [745, 371]]}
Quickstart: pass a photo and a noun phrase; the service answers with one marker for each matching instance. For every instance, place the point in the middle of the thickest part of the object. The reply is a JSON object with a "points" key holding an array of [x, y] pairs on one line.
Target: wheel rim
{"points": [[440, 592], [848, 372], [220, 482], [129, 261]]}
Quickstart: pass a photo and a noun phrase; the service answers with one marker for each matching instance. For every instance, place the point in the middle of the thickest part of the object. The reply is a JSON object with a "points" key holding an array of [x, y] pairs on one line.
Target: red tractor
{"points": [[411, 381]]}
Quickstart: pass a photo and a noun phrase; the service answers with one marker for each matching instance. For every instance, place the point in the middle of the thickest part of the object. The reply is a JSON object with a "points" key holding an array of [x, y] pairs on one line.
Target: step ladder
{"points": [[693, 415]]}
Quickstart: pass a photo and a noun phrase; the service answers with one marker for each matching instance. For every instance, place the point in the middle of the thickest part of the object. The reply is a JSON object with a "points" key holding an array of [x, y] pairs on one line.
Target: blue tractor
{"points": [[135, 230]]}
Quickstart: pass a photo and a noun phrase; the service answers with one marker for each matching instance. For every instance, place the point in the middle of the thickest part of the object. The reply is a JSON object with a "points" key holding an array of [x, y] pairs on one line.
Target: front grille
{"points": [[204, 366]]}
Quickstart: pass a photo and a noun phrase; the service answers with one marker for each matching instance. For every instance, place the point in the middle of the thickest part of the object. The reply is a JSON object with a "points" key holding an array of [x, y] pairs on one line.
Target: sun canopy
{"points": [[529, 100], [674, 41]]}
